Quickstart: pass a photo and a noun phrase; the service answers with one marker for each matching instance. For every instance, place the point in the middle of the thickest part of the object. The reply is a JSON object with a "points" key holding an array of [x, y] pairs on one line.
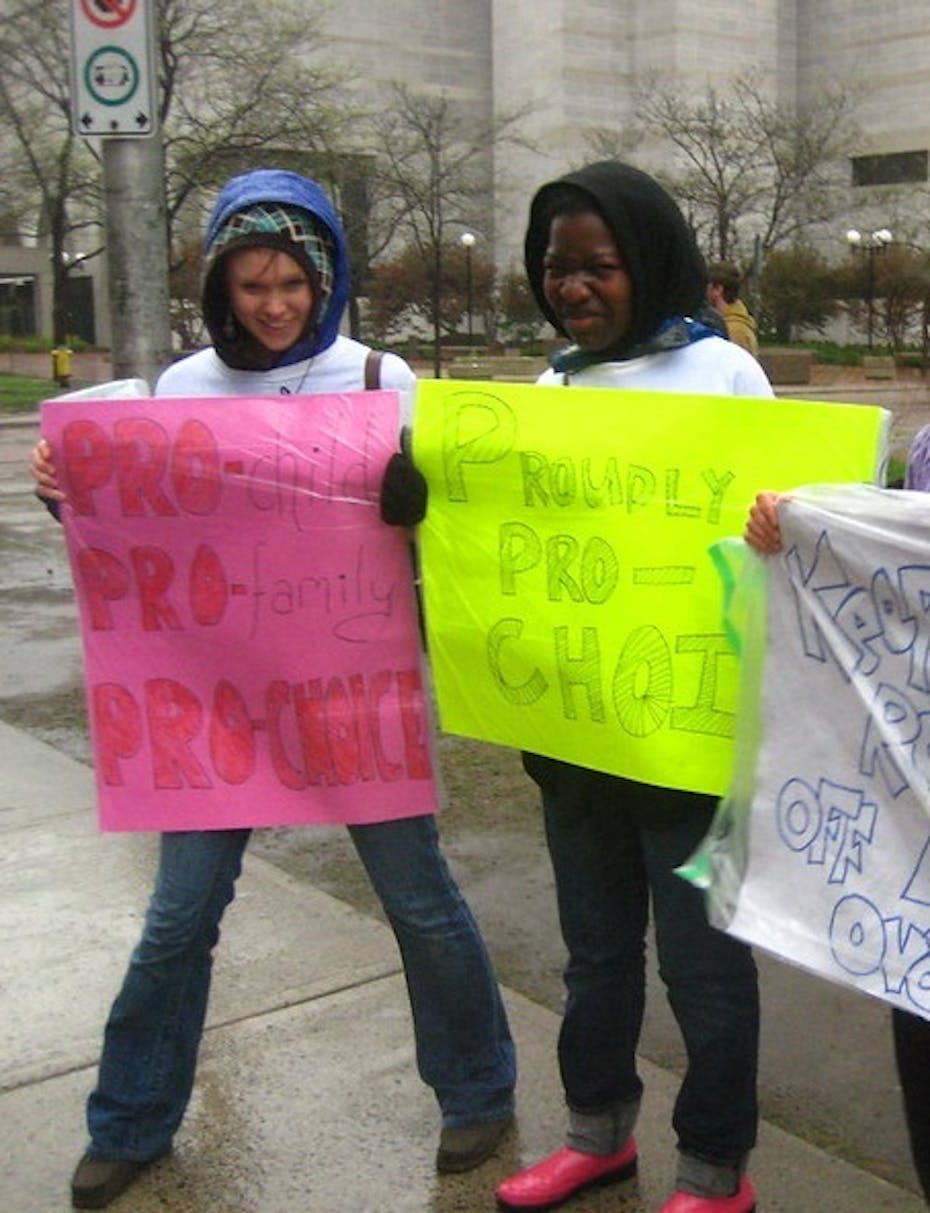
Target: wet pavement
{"points": [[295, 1107]]}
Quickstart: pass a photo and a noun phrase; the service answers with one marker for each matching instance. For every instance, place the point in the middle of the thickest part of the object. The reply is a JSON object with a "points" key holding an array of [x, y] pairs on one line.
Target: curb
{"points": [[19, 419]]}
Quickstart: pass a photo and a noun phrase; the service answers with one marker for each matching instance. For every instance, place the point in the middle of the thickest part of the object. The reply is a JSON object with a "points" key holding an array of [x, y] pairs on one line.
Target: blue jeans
{"points": [[614, 842], [464, 1047]]}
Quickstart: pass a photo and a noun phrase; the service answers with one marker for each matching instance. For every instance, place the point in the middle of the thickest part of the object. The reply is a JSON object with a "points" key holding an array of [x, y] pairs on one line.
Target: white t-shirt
{"points": [[712, 367], [338, 368]]}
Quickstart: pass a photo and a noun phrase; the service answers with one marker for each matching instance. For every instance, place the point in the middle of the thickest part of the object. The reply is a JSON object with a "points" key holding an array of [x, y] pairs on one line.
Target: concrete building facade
{"points": [[574, 66]]}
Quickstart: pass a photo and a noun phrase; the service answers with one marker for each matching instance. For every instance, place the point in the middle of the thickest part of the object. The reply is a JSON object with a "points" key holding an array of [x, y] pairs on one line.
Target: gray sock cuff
{"points": [[601, 1133], [701, 1177]]}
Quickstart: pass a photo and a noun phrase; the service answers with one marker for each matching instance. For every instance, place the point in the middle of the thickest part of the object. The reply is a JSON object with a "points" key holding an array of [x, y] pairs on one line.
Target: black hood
{"points": [[657, 246]]}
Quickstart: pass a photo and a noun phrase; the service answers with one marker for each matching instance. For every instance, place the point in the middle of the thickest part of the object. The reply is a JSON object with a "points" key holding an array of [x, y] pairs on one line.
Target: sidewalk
{"points": [[307, 1098]]}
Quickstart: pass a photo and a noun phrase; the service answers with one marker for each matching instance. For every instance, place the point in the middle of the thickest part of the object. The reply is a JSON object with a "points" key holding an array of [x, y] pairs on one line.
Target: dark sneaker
{"points": [[98, 1181], [468, 1146]]}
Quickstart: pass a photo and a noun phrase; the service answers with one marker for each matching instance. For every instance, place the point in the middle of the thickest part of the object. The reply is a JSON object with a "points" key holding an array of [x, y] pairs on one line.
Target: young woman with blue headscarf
{"points": [[275, 288]]}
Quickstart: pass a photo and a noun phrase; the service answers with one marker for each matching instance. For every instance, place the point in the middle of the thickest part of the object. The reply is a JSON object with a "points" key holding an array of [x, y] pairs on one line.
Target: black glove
{"points": [[403, 489], [53, 507]]}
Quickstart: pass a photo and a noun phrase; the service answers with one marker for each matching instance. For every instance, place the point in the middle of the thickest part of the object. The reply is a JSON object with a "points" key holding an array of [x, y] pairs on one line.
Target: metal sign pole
{"points": [[113, 97], [137, 256]]}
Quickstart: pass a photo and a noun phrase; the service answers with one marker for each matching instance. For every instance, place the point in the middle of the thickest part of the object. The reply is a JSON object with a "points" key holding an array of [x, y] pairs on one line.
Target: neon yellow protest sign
{"points": [[571, 604]]}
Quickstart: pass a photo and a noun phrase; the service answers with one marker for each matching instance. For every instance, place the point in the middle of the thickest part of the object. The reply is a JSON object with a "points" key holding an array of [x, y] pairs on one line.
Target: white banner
{"points": [[821, 852]]}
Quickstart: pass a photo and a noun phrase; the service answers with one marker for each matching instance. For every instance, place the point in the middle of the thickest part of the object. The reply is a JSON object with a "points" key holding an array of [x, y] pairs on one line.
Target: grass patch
{"points": [[22, 393], [38, 345], [895, 472], [830, 354]]}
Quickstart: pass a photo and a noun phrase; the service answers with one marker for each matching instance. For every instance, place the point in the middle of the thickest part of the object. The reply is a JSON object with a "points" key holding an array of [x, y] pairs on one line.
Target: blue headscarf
{"points": [[278, 209]]}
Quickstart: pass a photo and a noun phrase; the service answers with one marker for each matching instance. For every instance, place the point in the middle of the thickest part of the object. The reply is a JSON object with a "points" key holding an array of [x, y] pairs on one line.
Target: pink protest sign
{"points": [[249, 624]]}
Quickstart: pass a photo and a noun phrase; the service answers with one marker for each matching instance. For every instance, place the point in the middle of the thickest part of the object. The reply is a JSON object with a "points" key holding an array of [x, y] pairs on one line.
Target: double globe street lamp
{"points": [[871, 245]]}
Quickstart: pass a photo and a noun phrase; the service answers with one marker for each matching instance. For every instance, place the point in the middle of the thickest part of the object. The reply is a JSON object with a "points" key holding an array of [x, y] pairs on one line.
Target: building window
{"points": [[895, 168], [17, 306]]}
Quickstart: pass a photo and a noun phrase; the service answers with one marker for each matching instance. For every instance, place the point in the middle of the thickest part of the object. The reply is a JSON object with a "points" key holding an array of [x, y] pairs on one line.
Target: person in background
{"points": [[911, 1032], [613, 266], [723, 286], [274, 292]]}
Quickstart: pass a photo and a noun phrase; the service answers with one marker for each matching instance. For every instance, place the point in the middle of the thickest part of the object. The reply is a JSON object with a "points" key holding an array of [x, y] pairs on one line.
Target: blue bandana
{"points": [[672, 334]]}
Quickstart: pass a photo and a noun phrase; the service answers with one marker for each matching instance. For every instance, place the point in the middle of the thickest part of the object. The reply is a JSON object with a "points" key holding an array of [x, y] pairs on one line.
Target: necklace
{"points": [[286, 390]]}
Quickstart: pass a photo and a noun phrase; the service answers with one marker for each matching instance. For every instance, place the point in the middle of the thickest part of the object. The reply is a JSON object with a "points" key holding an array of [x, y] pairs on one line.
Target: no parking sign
{"points": [[112, 75]]}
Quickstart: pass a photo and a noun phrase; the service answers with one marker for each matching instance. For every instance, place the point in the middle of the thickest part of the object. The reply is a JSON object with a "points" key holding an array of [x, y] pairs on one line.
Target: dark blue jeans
{"points": [[613, 843], [464, 1047]]}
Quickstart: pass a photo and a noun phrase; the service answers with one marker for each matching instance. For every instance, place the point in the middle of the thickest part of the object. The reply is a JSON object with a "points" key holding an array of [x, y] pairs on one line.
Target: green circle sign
{"points": [[111, 76]]}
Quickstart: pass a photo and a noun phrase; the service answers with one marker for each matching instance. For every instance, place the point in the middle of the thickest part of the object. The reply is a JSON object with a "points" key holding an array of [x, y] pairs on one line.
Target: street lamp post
{"points": [[467, 241], [870, 245]]}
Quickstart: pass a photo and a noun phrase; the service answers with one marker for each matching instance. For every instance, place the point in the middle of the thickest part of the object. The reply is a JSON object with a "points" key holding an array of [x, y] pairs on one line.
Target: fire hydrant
{"points": [[61, 366]]}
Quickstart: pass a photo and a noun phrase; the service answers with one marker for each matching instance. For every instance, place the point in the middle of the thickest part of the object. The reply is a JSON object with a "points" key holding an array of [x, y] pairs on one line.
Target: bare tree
{"points": [[51, 176], [806, 154], [238, 85], [241, 84], [744, 163], [432, 180]]}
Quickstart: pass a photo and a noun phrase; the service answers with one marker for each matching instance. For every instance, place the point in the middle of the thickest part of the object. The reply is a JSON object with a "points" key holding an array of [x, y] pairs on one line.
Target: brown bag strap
{"points": [[373, 370]]}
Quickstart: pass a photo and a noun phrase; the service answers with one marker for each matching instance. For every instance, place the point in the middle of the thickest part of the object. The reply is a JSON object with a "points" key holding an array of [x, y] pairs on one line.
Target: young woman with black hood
{"points": [[614, 267], [274, 292]]}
